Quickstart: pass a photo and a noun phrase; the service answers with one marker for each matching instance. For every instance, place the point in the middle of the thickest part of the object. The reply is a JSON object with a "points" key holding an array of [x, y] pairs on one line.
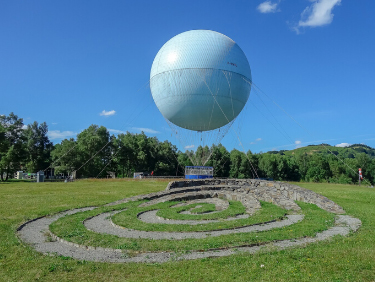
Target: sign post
{"points": [[360, 176]]}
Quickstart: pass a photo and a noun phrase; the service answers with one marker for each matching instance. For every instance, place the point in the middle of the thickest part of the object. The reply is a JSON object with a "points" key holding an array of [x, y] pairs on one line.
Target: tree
{"points": [[268, 165], [201, 155], [220, 160], [236, 169], [145, 152], [166, 159], [94, 150], [318, 169], [12, 151], [3, 143], [303, 162], [38, 146], [65, 157], [183, 160], [366, 164], [125, 153], [253, 161], [282, 170], [293, 169]]}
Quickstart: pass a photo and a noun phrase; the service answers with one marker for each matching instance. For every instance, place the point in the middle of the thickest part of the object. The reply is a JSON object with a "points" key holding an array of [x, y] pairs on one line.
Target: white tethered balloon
{"points": [[200, 80]]}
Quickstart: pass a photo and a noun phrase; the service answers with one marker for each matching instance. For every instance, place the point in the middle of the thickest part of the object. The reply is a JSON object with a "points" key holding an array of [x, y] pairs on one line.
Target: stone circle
{"points": [[198, 194]]}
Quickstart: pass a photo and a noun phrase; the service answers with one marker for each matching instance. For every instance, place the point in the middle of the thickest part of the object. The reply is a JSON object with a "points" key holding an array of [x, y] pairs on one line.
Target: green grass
{"points": [[235, 208], [340, 259], [129, 219], [71, 229], [204, 208]]}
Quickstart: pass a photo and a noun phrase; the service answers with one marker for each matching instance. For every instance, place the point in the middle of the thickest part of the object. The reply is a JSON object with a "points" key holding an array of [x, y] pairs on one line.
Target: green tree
{"points": [[253, 164], [145, 152], [12, 147], [268, 165], [364, 162], [293, 169], [183, 160], [220, 160], [166, 159], [282, 169], [38, 147], [65, 157], [201, 155], [3, 143], [318, 169], [94, 150], [237, 170], [125, 153]]}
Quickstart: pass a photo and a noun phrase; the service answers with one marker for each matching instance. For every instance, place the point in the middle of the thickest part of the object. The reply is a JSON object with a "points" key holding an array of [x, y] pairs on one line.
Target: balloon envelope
{"points": [[200, 80]]}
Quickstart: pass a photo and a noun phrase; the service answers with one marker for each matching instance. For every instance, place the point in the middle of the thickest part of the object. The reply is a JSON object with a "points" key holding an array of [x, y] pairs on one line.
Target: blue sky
{"points": [[77, 63]]}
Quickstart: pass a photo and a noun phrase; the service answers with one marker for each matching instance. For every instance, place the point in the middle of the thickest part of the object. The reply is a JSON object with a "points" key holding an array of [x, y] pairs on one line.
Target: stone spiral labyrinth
{"points": [[191, 220]]}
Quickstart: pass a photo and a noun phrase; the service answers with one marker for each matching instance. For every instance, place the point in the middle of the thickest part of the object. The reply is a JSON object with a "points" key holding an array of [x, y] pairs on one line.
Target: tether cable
{"points": [[303, 128], [232, 128], [124, 124]]}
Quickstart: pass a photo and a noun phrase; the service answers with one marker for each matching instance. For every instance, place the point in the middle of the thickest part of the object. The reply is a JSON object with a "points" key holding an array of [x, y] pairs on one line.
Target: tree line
{"points": [[95, 152], [23, 147]]}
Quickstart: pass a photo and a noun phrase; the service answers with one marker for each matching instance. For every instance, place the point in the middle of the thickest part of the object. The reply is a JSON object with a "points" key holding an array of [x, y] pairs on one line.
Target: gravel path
{"points": [[33, 233], [103, 224], [151, 217]]}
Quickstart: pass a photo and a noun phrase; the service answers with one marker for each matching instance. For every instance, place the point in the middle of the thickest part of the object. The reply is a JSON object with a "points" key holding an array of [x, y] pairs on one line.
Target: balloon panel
{"points": [[201, 49], [199, 99]]}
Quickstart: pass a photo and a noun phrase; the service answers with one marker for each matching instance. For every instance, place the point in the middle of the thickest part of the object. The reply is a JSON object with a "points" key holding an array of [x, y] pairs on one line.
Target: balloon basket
{"points": [[199, 172]]}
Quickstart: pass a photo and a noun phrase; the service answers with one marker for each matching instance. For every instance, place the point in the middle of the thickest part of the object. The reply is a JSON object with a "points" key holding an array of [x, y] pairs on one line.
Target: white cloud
{"points": [[298, 144], [343, 145], [116, 131], [109, 113], [318, 14], [54, 123], [57, 134], [268, 7], [256, 140], [189, 146], [24, 126], [146, 130]]}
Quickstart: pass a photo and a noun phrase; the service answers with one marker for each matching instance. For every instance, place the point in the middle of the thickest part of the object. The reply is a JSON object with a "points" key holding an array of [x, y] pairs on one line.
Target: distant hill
{"points": [[325, 149]]}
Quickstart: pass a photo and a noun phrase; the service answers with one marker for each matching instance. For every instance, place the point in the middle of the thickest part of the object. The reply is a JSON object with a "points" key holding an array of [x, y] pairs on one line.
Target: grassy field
{"points": [[340, 259]]}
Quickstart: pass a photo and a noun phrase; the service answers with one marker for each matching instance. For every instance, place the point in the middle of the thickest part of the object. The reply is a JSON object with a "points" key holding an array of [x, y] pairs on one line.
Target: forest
{"points": [[95, 152]]}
